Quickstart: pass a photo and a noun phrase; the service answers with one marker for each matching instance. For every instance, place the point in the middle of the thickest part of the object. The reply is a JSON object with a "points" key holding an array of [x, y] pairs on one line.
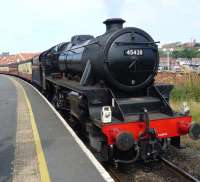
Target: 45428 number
{"points": [[133, 52]]}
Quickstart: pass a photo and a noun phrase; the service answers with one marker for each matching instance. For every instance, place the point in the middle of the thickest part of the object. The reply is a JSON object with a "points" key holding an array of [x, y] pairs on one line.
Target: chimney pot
{"points": [[113, 24]]}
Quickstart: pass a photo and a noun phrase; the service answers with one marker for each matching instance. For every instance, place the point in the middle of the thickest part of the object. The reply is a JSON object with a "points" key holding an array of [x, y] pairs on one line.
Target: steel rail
{"points": [[114, 174], [179, 170]]}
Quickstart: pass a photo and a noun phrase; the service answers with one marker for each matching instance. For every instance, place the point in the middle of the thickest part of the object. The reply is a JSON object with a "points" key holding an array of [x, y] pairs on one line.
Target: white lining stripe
{"points": [[95, 162]]}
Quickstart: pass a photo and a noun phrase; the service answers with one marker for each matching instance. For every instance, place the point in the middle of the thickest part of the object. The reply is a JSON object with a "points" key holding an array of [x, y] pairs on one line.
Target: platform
{"points": [[36, 144]]}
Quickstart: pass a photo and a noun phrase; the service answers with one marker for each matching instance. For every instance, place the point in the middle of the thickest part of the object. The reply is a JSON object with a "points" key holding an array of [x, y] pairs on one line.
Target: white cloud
{"points": [[52, 9], [113, 8], [35, 25], [170, 3]]}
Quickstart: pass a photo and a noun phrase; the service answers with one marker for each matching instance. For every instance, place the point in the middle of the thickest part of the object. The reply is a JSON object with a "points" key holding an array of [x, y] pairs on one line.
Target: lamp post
{"points": [[168, 51]]}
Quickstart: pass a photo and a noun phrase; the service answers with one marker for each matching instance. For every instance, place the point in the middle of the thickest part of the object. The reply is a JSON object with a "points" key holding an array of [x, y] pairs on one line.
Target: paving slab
{"points": [[65, 158]]}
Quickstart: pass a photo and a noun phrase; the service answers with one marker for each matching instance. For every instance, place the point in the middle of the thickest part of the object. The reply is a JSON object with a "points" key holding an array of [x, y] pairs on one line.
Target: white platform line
{"points": [[89, 154]]}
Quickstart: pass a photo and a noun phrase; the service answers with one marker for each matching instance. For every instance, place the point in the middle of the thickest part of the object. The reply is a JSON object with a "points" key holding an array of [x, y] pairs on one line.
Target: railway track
{"points": [[179, 171], [114, 175]]}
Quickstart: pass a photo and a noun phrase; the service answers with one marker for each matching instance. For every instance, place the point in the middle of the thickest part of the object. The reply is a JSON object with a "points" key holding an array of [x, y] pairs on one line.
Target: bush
{"points": [[189, 90]]}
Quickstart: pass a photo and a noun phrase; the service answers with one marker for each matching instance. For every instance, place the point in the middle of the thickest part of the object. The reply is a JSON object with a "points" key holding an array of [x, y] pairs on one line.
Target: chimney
{"points": [[113, 24]]}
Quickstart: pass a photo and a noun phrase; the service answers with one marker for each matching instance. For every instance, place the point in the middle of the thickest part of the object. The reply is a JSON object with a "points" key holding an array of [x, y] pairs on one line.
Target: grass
{"points": [[188, 90], [194, 109]]}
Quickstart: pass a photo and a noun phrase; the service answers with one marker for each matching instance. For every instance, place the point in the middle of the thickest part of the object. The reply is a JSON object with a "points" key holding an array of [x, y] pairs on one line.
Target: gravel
{"points": [[187, 158]]}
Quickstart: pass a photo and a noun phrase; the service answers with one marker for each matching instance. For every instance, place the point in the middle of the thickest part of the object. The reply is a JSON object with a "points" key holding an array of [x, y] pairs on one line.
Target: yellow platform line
{"points": [[44, 173]]}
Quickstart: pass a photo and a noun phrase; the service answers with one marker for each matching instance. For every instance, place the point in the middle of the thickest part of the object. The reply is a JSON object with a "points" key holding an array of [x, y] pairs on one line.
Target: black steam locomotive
{"points": [[105, 89]]}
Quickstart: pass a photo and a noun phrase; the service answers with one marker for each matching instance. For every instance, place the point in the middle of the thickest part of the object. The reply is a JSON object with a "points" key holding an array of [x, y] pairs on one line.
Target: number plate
{"points": [[133, 52]]}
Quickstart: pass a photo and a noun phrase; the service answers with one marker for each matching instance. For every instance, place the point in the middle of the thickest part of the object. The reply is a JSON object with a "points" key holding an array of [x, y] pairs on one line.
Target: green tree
{"points": [[185, 53]]}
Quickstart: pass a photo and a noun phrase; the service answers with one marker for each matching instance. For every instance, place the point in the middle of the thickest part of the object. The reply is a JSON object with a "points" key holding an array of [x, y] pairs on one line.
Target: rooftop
{"points": [[7, 59]]}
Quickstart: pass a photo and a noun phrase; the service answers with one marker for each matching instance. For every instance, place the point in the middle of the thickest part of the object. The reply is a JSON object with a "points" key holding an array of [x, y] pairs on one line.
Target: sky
{"points": [[36, 25]]}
